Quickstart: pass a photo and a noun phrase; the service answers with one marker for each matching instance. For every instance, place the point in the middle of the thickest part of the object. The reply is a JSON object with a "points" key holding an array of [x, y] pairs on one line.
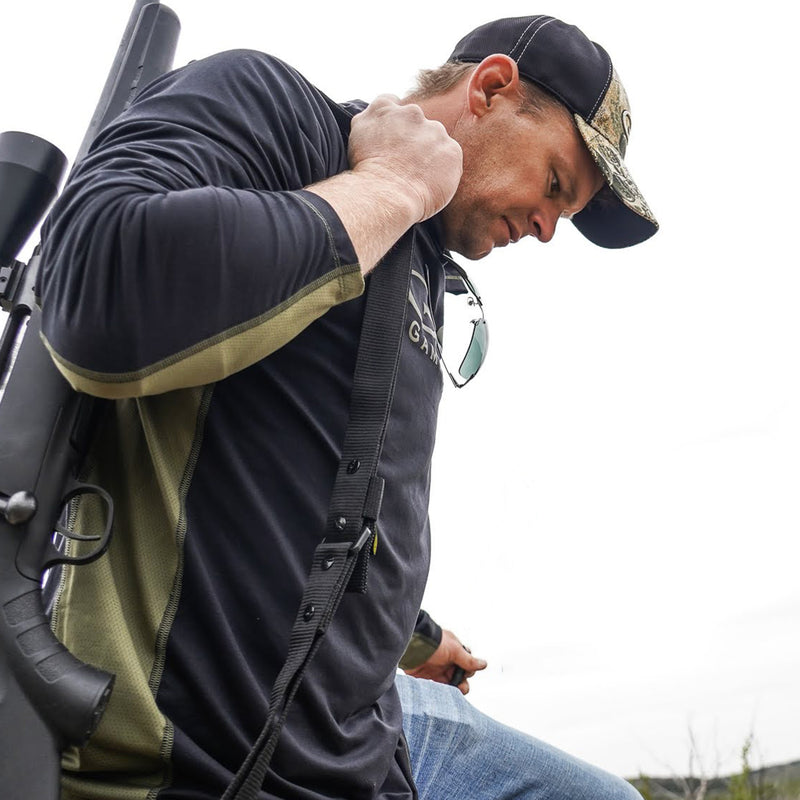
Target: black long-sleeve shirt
{"points": [[189, 276]]}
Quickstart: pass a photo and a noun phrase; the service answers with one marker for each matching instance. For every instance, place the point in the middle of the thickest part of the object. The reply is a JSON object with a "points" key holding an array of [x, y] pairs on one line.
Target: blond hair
{"points": [[432, 82]]}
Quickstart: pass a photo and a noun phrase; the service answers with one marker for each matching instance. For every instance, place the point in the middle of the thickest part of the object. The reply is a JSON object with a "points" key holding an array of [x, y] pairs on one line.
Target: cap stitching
{"points": [[527, 28], [533, 36], [603, 91]]}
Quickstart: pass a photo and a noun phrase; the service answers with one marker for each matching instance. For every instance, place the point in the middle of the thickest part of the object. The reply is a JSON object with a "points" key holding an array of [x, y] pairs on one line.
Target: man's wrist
{"points": [[374, 210]]}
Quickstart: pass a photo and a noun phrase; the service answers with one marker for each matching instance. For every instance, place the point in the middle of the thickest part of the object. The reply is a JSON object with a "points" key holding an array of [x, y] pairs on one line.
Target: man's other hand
{"points": [[449, 656]]}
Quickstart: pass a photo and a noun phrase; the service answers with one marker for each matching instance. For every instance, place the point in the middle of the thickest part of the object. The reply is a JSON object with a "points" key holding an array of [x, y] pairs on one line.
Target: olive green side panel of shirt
{"points": [[418, 651], [222, 355], [147, 453]]}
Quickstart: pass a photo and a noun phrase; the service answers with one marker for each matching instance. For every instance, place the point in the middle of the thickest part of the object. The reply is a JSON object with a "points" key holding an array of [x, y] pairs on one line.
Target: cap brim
{"points": [[624, 219]]}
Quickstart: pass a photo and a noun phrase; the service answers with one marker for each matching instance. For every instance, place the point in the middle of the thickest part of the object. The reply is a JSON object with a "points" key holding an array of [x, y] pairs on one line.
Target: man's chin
{"points": [[460, 239], [471, 250]]}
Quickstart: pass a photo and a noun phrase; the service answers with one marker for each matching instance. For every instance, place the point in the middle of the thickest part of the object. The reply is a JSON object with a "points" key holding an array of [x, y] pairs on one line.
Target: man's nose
{"points": [[543, 224]]}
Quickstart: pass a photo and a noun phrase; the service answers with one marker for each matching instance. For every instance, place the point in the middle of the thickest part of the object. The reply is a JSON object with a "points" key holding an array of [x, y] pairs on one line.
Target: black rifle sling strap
{"points": [[340, 560]]}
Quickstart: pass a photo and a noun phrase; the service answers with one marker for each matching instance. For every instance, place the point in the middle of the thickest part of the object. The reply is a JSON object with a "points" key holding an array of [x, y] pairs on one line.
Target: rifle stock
{"points": [[48, 698]]}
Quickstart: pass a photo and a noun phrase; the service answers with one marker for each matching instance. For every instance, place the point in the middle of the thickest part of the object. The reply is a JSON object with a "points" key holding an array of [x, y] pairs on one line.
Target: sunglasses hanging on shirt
{"points": [[467, 334]]}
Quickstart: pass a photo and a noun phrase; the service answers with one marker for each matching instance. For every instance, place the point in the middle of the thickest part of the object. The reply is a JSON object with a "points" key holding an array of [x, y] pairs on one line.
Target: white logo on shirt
{"points": [[422, 330]]}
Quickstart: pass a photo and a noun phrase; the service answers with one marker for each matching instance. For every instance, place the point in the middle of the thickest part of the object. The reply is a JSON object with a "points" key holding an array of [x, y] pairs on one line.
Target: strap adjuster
{"points": [[359, 543]]}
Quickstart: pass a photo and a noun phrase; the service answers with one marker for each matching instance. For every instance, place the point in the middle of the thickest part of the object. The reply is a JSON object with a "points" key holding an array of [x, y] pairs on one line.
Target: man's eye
{"points": [[555, 186]]}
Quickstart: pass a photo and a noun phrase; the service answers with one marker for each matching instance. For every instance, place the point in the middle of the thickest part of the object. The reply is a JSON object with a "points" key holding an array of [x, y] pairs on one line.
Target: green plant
{"points": [[747, 785]]}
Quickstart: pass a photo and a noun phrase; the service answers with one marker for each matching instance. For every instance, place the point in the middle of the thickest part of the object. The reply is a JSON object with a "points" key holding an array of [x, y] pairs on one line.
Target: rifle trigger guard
{"points": [[102, 539]]}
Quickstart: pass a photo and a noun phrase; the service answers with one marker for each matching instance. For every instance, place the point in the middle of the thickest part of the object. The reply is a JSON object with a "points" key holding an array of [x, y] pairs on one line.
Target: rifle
{"points": [[48, 698]]}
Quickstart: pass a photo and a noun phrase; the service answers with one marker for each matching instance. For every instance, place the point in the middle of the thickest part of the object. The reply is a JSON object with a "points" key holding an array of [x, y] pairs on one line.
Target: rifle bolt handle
{"points": [[18, 508]]}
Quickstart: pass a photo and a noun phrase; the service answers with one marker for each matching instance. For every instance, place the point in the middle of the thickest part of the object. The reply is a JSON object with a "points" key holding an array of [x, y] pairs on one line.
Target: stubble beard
{"points": [[466, 232]]}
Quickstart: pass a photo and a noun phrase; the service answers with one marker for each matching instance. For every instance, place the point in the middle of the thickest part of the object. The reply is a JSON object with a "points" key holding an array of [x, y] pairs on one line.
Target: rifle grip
{"points": [[69, 695]]}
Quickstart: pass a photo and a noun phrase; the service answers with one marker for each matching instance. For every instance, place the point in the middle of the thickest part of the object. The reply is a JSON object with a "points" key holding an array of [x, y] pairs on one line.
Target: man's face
{"points": [[521, 174]]}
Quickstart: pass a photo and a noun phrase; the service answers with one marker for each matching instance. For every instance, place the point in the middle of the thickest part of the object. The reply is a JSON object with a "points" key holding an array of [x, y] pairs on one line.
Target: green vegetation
{"points": [[767, 783]]}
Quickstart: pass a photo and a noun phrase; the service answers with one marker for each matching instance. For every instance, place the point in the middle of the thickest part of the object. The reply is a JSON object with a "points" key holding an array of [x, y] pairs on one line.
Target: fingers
{"points": [[468, 662], [460, 680], [397, 141], [465, 665]]}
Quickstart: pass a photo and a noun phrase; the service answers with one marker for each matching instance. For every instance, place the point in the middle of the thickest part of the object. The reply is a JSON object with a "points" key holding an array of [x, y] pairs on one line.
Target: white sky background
{"points": [[615, 505]]}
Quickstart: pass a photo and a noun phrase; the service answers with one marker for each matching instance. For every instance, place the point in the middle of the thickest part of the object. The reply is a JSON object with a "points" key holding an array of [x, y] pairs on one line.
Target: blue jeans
{"points": [[458, 753]]}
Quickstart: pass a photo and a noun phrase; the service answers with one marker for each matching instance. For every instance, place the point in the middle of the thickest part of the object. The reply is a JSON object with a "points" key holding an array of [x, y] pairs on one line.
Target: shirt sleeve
{"points": [[424, 641], [184, 247]]}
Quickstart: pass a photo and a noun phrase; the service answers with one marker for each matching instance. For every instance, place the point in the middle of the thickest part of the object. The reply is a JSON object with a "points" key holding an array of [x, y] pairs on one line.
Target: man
{"points": [[205, 269]]}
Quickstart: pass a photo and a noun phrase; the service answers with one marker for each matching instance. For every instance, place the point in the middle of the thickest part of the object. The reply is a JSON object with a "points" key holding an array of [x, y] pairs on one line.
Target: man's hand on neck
{"points": [[404, 168]]}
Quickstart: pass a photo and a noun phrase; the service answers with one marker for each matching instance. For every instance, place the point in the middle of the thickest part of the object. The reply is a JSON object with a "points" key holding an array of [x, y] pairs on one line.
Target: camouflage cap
{"points": [[578, 72]]}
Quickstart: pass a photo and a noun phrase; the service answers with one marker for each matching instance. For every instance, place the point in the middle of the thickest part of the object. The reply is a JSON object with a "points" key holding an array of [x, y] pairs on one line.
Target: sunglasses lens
{"points": [[476, 352]]}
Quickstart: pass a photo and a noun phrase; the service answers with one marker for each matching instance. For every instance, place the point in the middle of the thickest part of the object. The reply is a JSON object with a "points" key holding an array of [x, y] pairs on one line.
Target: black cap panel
{"points": [[580, 76]]}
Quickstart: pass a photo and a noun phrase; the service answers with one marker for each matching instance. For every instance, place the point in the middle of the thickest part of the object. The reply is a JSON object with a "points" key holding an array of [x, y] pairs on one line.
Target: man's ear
{"points": [[495, 77]]}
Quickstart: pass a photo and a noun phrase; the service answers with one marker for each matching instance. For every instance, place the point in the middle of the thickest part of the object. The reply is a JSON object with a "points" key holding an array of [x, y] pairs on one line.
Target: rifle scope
{"points": [[31, 170]]}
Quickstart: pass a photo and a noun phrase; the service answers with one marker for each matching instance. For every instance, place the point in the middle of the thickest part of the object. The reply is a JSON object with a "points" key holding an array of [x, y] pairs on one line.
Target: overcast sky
{"points": [[615, 505]]}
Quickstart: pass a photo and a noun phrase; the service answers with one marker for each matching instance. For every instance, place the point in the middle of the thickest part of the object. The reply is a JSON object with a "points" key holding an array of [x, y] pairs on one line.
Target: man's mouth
{"points": [[513, 234]]}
